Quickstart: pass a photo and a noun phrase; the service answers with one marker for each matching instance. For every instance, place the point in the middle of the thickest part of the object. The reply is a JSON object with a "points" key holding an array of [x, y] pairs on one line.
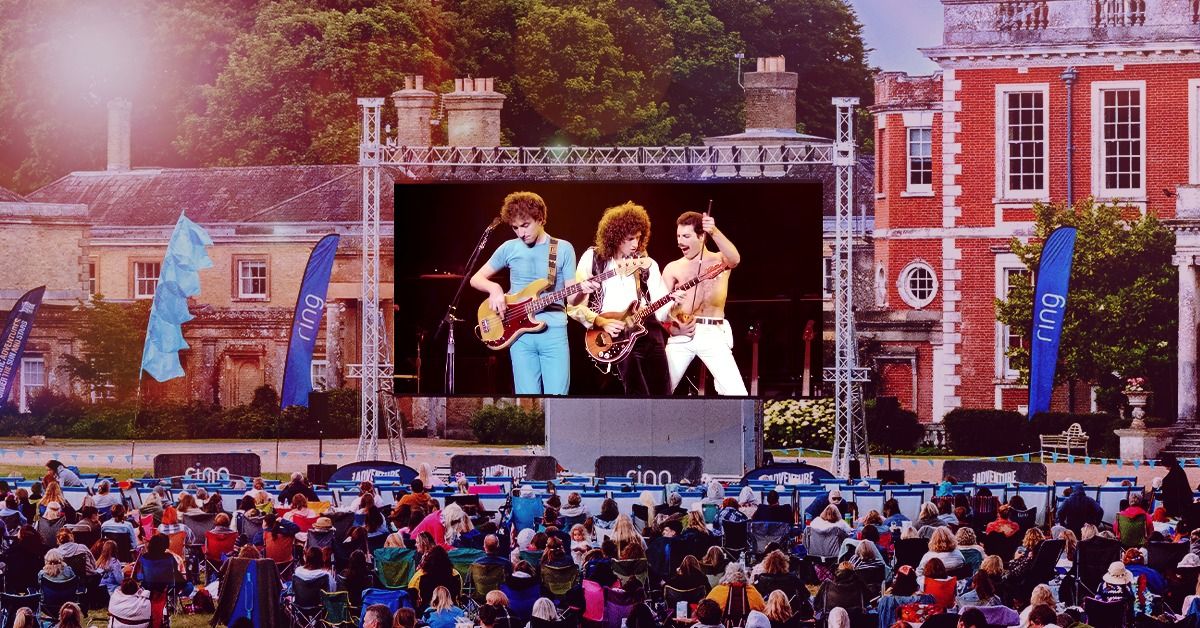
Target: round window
{"points": [[918, 284]]}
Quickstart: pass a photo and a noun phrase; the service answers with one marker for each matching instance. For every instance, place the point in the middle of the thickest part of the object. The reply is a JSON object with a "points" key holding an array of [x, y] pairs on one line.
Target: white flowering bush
{"points": [[798, 423]]}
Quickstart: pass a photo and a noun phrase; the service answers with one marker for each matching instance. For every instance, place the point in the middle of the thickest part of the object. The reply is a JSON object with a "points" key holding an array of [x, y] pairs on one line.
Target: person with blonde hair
{"points": [[943, 546], [779, 610], [624, 533], [56, 568], [1041, 595], [830, 517], [776, 576], [459, 531], [25, 618], [442, 613]]}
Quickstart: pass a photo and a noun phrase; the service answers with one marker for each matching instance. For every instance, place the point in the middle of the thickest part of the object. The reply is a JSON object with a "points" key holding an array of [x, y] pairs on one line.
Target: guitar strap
{"points": [[552, 273], [596, 299]]}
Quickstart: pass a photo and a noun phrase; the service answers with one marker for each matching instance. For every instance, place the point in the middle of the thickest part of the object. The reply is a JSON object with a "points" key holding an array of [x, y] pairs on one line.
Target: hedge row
{"points": [[504, 423], [1002, 432], [59, 416]]}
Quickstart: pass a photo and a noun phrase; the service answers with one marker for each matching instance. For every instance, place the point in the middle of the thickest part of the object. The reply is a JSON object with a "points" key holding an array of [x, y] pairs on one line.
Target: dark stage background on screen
{"points": [[777, 286]]}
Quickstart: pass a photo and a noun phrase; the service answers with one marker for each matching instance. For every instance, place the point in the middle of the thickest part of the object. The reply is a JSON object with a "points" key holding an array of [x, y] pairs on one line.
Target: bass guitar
{"points": [[607, 348], [498, 332]]}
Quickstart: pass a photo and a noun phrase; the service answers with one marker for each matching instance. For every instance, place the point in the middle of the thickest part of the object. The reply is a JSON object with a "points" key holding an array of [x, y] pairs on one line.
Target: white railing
{"points": [[1022, 15], [1121, 12]]}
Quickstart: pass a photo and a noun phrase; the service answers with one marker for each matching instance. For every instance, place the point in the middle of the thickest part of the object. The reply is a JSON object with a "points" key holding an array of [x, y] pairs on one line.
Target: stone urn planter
{"points": [[1137, 400]]}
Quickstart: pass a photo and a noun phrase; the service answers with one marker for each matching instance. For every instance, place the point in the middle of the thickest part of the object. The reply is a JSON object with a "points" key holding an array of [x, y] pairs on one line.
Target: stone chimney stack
{"points": [[770, 96], [119, 113], [473, 113], [414, 108]]}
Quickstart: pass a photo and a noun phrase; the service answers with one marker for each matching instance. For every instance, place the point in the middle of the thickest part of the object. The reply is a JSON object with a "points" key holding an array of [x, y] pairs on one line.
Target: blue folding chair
{"points": [[394, 599], [525, 511]]}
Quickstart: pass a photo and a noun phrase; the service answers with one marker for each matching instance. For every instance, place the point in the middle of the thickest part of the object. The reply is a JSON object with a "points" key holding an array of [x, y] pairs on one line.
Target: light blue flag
{"points": [[1087, 460], [1054, 456], [177, 280], [1071, 458]]}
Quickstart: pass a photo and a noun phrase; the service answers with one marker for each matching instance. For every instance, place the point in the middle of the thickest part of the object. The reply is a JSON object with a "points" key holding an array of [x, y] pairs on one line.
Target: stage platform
{"points": [[723, 433]]}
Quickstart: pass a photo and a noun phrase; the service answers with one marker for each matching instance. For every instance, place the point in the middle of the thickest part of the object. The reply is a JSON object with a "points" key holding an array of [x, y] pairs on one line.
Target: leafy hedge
{"points": [[1001, 432], [59, 416], [505, 423]]}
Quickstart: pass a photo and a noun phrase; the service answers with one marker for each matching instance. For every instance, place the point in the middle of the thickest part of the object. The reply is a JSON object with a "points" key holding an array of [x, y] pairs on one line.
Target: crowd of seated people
{"points": [[968, 557]]}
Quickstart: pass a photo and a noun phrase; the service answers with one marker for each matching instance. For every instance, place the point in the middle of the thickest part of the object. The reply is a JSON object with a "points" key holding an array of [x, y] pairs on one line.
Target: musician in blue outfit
{"points": [[540, 360]]}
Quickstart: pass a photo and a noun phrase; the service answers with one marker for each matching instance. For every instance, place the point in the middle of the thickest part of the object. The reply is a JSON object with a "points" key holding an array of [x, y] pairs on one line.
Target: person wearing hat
{"points": [[1116, 584], [834, 497]]}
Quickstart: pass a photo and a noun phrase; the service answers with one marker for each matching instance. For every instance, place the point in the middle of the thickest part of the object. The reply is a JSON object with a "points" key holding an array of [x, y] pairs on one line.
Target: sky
{"points": [[895, 29]]}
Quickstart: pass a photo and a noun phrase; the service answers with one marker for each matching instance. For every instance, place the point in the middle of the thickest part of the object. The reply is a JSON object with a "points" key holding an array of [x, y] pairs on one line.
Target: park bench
{"points": [[1069, 440]]}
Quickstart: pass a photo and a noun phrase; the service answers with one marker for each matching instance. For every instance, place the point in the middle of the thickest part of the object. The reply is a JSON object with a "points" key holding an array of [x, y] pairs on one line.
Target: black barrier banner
{"points": [[651, 469], [991, 472], [366, 470], [789, 473], [537, 468], [207, 467]]}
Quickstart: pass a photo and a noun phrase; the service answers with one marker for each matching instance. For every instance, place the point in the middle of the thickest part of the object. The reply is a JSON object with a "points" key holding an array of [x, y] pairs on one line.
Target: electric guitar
{"points": [[498, 332], [608, 349]]}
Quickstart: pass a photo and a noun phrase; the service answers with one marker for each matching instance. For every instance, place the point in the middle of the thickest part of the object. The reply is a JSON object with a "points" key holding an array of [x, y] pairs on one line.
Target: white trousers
{"points": [[713, 344]]}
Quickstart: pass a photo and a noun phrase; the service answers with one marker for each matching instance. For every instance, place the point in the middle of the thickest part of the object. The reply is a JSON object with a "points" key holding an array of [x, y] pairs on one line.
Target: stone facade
{"points": [[1002, 58], [104, 233]]}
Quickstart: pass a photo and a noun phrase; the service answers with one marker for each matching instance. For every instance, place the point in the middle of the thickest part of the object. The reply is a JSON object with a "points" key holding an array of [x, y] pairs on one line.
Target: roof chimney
{"points": [[119, 111], [473, 112], [414, 108], [771, 96]]}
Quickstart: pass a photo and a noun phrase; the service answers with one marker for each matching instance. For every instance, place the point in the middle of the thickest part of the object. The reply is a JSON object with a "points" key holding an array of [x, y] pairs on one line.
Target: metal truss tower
{"points": [[850, 428], [374, 368]]}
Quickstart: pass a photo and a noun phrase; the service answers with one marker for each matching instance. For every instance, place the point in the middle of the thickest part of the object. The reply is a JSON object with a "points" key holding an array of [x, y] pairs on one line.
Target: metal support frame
{"points": [[372, 369], [850, 426], [618, 162]]}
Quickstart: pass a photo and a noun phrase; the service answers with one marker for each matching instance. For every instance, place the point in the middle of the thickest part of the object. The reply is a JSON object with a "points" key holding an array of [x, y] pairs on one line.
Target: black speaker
{"points": [[320, 473], [855, 469], [318, 410], [890, 476]]}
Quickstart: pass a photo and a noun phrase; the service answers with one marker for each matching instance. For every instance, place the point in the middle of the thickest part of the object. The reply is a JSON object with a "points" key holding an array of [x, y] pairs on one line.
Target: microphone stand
{"points": [[450, 319]]}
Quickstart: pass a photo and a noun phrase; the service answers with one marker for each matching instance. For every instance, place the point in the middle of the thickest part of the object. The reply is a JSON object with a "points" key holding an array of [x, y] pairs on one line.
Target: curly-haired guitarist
{"points": [[700, 329], [623, 233], [541, 361]]}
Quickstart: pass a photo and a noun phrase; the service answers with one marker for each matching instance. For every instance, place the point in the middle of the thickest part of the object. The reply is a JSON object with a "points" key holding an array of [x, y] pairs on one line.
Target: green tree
{"points": [[594, 69], [63, 61], [1121, 312], [822, 41], [111, 335], [287, 94]]}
